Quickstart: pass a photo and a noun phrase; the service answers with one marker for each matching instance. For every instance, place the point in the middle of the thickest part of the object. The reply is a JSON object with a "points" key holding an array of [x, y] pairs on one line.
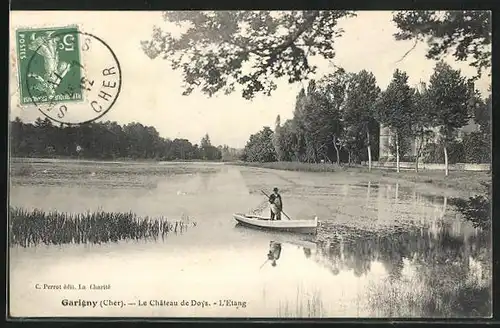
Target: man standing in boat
{"points": [[276, 204]]}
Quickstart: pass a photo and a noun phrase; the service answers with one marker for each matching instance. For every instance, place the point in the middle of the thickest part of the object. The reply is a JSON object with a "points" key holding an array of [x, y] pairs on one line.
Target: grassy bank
{"points": [[476, 182], [470, 181], [293, 166], [31, 228]]}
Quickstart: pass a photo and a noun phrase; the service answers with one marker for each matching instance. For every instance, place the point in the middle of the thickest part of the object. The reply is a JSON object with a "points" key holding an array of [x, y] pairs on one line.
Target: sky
{"points": [[152, 93]]}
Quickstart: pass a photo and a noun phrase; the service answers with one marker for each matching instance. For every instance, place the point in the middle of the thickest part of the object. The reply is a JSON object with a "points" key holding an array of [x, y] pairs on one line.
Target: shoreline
{"points": [[13, 159], [465, 182]]}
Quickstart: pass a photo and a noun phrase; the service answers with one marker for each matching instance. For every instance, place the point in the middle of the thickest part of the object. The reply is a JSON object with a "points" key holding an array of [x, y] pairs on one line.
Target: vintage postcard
{"points": [[250, 164]]}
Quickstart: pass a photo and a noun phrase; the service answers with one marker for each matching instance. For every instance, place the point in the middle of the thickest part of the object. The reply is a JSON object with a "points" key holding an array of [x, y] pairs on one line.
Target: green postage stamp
{"points": [[48, 65], [70, 76]]}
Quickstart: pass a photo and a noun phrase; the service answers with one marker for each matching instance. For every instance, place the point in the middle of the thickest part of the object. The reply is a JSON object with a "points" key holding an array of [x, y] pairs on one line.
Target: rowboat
{"points": [[260, 222]]}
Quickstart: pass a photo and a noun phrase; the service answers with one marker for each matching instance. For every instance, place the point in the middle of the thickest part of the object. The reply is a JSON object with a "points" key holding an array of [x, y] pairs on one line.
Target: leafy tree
{"points": [[477, 148], [422, 121], [288, 141], [394, 109], [466, 32], [318, 121], [299, 144], [349, 141], [482, 114], [259, 147], [207, 151], [205, 141], [449, 95], [277, 136], [219, 50], [477, 144], [335, 90], [360, 107], [101, 140]]}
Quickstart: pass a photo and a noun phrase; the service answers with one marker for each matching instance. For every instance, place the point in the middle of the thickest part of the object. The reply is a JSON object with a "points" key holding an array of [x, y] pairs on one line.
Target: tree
{"points": [[259, 147], [102, 140], [360, 107], [317, 121], [207, 150], [299, 144], [394, 109], [277, 139], [421, 120], [216, 46], [287, 141], [481, 112], [205, 141], [335, 90], [467, 32], [449, 95], [477, 144]]}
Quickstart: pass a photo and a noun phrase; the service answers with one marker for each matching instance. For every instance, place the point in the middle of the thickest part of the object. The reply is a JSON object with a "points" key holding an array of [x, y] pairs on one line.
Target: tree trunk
{"points": [[397, 152], [369, 151], [349, 158], [336, 149], [445, 161], [417, 153]]}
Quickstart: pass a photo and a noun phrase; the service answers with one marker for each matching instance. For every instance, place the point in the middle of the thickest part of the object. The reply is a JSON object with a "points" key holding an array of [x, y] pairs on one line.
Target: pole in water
{"points": [[263, 264]]}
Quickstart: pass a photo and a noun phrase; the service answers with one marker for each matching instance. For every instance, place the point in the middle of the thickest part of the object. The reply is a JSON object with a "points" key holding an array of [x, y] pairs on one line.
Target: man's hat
{"points": [[275, 189]]}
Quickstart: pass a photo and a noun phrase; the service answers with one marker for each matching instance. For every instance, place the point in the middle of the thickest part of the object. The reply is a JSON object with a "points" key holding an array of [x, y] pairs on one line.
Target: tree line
{"points": [[107, 140], [338, 118], [216, 46]]}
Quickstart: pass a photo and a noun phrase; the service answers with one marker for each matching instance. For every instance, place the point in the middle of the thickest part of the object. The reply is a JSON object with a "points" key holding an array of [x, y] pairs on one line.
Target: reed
{"points": [[306, 305], [454, 299], [36, 227]]}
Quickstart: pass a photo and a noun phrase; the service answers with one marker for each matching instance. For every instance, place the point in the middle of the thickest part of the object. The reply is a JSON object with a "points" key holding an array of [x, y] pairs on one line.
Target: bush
{"points": [[409, 158]]}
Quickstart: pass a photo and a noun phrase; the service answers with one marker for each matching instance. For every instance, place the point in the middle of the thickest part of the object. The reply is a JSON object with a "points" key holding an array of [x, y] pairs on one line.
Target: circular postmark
{"points": [[72, 77]]}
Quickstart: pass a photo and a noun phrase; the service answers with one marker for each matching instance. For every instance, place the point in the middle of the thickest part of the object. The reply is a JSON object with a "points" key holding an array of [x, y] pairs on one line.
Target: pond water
{"points": [[381, 250]]}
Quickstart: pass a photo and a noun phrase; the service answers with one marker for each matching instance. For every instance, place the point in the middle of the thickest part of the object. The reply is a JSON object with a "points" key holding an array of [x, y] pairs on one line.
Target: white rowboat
{"points": [[299, 226]]}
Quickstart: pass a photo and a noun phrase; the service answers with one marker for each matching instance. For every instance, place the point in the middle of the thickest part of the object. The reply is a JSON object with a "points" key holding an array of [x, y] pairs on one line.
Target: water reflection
{"points": [[381, 250], [449, 269], [274, 252]]}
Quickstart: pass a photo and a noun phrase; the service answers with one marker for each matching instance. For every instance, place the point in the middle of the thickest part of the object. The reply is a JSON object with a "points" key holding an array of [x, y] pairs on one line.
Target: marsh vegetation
{"points": [[32, 228]]}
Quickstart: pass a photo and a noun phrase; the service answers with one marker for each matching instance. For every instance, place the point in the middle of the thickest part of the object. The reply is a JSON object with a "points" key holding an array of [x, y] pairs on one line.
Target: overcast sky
{"points": [[151, 91]]}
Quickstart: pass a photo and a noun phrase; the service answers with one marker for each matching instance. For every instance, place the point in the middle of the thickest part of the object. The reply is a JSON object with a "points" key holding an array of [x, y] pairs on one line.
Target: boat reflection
{"points": [[274, 252]]}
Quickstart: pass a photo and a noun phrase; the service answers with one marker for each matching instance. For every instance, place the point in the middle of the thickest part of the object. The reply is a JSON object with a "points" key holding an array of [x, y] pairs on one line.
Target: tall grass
{"points": [[415, 299], [31, 228], [306, 306]]}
